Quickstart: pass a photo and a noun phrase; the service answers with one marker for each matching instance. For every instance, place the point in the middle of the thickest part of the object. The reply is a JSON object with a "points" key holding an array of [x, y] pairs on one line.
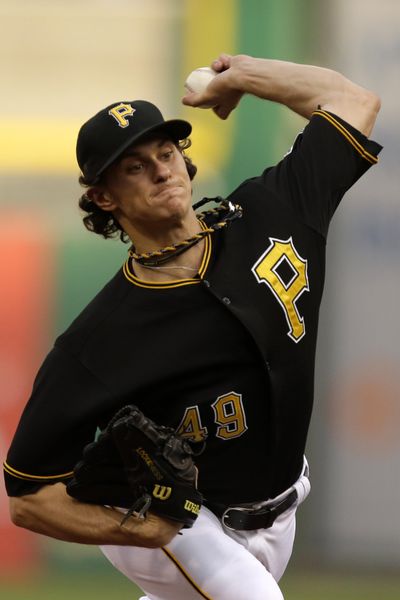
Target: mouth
{"points": [[167, 190]]}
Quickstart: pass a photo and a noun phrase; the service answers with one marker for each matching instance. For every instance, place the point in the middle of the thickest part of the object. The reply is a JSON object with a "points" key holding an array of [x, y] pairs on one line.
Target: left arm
{"points": [[302, 88]]}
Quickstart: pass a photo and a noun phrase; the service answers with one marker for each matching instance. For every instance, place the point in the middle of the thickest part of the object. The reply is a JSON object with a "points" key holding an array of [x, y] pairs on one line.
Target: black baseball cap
{"points": [[103, 138]]}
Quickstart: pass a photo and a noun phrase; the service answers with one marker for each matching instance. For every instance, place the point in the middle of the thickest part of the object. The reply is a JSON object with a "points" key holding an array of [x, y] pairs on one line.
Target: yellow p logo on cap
{"points": [[120, 112]]}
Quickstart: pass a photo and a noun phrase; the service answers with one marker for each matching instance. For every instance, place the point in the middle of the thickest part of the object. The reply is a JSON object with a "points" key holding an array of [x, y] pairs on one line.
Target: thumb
{"points": [[197, 100], [189, 99]]}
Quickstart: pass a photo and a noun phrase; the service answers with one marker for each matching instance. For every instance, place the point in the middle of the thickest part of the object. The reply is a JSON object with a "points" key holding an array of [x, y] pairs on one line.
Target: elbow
{"points": [[370, 105], [371, 102], [376, 102], [16, 511], [19, 512], [356, 105]]}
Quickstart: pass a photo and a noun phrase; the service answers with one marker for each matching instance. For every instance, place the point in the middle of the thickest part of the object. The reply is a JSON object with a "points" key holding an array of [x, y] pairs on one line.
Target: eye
{"points": [[136, 167], [167, 154]]}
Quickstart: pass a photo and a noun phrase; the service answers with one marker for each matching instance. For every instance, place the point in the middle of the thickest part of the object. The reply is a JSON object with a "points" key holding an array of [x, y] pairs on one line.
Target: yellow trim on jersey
{"points": [[185, 573], [20, 475], [350, 138], [175, 283]]}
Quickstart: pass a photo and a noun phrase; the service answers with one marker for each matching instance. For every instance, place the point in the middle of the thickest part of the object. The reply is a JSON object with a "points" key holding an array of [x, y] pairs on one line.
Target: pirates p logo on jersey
{"points": [[266, 270], [120, 112]]}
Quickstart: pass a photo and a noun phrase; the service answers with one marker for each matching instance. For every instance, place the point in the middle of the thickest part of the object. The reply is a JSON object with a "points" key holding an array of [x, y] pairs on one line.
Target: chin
{"points": [[178, 204]]}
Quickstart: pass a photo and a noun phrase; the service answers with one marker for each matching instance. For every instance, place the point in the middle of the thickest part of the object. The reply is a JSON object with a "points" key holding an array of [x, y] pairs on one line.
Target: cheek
{"points": [[186, 178], [130, 192]]}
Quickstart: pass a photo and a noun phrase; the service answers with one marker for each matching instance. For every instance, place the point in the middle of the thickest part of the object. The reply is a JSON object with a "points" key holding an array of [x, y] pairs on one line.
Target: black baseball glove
{"points": [[138, 465]]}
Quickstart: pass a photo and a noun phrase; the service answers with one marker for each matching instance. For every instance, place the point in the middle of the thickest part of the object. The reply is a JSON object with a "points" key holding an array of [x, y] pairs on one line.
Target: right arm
{"points": [[302, 88], [52, 512]]}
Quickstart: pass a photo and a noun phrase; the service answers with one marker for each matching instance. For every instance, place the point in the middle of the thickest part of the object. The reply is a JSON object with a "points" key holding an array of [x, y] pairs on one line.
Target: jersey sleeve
{"points": [[327, 158], [56, 423]]}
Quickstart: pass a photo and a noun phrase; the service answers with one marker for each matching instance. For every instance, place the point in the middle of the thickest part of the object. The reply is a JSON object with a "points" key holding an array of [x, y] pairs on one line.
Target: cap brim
{"points": [[176, 129]]}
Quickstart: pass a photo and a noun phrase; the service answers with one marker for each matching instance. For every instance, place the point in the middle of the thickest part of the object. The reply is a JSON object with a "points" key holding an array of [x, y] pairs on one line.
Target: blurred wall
{"points": [[61, 62], [358, 399]]}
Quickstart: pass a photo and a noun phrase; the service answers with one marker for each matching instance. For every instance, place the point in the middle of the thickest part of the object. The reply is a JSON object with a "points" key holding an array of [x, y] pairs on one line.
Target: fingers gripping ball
{"points": [[198, 80], [157, 468]]}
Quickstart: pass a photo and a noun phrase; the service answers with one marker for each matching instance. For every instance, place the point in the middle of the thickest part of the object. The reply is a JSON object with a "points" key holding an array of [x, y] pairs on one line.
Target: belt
{"points": [[245, 519]]}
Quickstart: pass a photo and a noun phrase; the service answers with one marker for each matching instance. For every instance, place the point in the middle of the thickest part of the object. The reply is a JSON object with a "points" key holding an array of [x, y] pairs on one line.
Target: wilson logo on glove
{"points": [[162, 492], [192, 507]]}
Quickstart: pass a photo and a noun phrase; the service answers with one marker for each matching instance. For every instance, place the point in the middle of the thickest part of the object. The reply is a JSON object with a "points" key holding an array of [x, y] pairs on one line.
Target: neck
{"points": [[183, 266], [151, 237]]}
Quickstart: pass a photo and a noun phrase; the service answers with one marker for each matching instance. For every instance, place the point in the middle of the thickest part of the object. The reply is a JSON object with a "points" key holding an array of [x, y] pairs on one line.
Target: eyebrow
{"points": [[136, 153]]}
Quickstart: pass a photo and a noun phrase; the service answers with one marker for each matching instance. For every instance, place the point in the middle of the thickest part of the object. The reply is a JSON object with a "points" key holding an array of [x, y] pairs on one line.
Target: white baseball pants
{"points": [[212, 562]]}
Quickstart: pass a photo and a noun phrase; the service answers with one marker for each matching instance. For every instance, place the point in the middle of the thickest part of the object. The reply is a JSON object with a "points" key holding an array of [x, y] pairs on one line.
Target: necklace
{"points": [[226, 212], [193, 269]]}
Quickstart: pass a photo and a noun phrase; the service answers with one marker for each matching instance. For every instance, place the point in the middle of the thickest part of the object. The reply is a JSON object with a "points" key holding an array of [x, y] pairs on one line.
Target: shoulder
{"points": [[326, 142], [105, 303], [328, 129]]}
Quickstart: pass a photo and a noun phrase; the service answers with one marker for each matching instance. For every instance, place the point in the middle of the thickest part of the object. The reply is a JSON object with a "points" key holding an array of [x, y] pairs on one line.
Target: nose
{"points": [[161, 171]]}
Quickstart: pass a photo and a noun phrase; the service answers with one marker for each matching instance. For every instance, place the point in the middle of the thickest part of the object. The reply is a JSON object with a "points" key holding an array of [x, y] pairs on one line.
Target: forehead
{"points": [[148, 144]]}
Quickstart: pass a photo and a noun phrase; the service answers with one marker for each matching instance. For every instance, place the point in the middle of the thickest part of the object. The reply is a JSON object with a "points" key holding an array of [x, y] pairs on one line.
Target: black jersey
{"points": [[227, 356]]}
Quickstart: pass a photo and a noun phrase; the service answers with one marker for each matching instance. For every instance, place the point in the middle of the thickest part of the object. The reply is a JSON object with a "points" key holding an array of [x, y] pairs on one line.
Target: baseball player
{"points": [[209, 327]]}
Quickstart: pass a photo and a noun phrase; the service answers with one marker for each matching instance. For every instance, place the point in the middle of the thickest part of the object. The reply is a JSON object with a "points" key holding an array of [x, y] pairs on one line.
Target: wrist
{"points": [[240, 73]]}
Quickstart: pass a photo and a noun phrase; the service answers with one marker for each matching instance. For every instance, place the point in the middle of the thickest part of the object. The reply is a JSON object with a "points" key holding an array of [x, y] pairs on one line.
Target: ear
{"points": [[102, 198]]}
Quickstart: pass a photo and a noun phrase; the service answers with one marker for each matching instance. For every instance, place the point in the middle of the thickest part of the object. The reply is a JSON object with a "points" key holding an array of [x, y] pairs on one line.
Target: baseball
{"points": [[198, 80]]}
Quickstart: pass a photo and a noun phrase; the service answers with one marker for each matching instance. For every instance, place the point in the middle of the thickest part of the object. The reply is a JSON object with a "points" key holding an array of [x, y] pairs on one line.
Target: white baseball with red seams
{"points": [[198, 80]]}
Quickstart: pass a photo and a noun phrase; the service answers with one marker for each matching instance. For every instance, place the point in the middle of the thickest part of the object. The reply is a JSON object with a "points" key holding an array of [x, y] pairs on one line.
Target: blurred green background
{"points": [[297, 585], [301, 586], [62, 61]]}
